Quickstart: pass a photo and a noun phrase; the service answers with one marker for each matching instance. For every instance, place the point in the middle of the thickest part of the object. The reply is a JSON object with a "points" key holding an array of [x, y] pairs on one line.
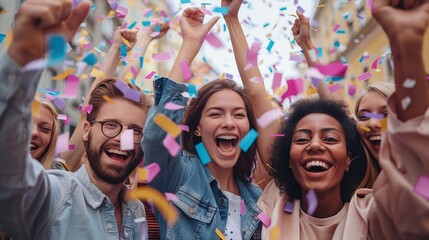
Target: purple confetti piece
{"points": [[122, 86], [364, 76], [288, 207], [133, 95], [184, 128], [312, 202], [300, 9], [373, 115], [422, 187]]}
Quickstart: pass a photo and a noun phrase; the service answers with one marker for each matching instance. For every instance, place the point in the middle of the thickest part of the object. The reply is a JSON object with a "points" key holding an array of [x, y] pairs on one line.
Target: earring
{"points": [[346, 169], [290, 165], [197, 133]]}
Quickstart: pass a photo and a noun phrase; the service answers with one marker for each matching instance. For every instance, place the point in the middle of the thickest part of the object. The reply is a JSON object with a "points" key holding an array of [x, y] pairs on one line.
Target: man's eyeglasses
{"points": [[112, 129]]}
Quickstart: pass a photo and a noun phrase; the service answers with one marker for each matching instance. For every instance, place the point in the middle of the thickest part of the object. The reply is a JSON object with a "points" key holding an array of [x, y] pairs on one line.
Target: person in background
{"points": [[88, 204]]}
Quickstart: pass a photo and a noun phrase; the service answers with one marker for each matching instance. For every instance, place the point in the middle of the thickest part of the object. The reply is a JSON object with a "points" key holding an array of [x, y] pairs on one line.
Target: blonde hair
{"points": [[47, 157], [385, 89]]}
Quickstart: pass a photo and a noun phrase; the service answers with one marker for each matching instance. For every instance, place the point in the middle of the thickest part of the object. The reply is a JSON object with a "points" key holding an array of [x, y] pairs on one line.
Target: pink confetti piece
{"points": [[265, 219], [288, 207], [277, 79], [256, 79], [171, 145], [161, 57], [333, 69], [335, 87], [294, 87], [146, 11], [336, 27], [206, 11], [150, 75], [276, 135], [184, 128], [268, 117], [313, 73], [312, 202], [72, 87], [252, 54], [375, 63], [121, 11], [35, 65], [351, 89], [171, 197], [371, 5], [422, 187], [186, 72], [364, 76], [214, 40], [71, 147], [134, 71], [243, 208], [296, 58], [127, 139], [62, 143], [248, 66], [153, 169], [163, 14], [88, 109], [173, 106]]}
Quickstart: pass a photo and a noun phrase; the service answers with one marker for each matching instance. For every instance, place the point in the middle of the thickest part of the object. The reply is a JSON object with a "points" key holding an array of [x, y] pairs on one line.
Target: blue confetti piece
{"points": [[123, 50], [270, 45], [283, 9], [149, 14], [132, 25], [319, 52], [141, 62], [222, 10], [344, 60], [337, 78], [266, 25], [166, 19], [93, 7], [224, 27], [192, 90], [2, 37], [248, 140], [205, 4], [337, 44], [341, 31], [124, 63], [185, 1], [56, 49], [146, 23], [202, 153], [157, 28], [361, 59], [90, 59]]}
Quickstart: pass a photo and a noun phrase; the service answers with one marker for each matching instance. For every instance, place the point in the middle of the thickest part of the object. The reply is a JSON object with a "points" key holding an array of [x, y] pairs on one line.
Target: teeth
{"points": [[373, 138], [227, 137], [316, 164], [118, 152], [32, 145]]}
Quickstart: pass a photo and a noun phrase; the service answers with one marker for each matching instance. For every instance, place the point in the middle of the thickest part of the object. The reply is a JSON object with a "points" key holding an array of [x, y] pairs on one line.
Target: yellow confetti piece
{"points": [[84, 32], [220, 234], [158, 199], [383, 124], [260, 182], [275, 232], [9, 38], [3, 11], [96, 73], [167, 125], [311, 90], [64, 74], [35, 108], [128, 76], [142, 174], [131, 2], [84, 76], [321, 5], [111, 13], [270, 167], [108, 99], [126, 42], [366, 129], [280, 90]]}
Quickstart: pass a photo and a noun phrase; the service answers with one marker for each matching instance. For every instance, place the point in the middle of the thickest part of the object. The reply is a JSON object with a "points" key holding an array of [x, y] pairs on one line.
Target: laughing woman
{"points": [[211, 195], [318, 156]]}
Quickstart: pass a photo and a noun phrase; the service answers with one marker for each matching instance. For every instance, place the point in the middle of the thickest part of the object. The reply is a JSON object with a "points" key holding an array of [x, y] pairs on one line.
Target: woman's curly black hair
{"points": [[283, 175]]}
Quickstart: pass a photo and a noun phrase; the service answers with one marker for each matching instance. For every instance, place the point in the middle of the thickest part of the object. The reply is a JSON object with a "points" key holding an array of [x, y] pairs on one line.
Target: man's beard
{"points": [[111, 175]]}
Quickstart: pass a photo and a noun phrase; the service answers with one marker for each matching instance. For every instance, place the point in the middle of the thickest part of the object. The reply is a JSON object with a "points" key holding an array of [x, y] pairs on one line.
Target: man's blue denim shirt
{"points": [[202, 206], [53, 204]]}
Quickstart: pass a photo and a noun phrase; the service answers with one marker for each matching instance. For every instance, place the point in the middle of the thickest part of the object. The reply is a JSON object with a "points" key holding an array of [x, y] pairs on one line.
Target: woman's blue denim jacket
{"points": [[202, 206]]}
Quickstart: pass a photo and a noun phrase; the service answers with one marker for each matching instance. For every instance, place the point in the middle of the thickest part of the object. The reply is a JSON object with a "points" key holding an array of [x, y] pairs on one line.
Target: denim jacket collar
{"points": [[93, 196]]}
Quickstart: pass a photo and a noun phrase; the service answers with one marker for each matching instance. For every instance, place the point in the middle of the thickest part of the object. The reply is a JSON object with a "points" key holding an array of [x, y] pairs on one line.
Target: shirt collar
{"points": [[93, 196]]}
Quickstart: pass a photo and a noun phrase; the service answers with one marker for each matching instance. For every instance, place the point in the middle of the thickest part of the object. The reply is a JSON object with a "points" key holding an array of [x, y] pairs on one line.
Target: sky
{"points": [[266, 20]]}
